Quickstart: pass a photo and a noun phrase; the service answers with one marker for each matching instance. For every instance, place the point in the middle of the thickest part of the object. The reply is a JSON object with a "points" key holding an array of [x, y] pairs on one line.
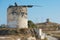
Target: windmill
{"points": [[17, 15]]}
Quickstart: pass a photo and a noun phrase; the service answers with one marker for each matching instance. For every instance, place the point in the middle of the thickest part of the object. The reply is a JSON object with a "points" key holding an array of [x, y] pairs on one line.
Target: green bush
{"points": [[31, 24]]}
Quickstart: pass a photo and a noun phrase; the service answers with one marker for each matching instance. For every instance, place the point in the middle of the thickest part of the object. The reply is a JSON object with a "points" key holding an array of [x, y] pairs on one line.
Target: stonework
{"points": [[17, 17], [22, 34]]}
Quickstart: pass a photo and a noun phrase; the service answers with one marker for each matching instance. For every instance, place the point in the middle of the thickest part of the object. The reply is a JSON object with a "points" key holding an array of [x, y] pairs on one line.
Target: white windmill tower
{"points": [[17, 16]]}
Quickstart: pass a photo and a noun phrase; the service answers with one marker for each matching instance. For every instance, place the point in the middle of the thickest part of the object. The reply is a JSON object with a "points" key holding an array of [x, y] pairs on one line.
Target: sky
{"points": [[50, 9]]}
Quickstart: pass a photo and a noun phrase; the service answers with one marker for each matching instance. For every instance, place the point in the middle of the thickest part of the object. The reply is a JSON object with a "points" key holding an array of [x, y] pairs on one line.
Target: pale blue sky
{"points": [[50, 9]]}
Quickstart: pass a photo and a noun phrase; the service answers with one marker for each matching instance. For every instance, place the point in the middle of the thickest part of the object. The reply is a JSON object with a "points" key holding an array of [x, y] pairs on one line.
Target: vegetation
{"points": [[6, 31], [45, 39], [31, 24], [3, 26]]}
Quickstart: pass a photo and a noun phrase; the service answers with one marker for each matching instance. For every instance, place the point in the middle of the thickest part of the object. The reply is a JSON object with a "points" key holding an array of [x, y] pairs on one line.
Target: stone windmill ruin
{"points": [[17, 16]]}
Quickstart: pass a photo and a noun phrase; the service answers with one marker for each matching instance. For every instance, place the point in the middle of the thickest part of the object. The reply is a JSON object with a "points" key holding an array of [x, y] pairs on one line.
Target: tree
{"points": [[3, 26], [31, 24]]}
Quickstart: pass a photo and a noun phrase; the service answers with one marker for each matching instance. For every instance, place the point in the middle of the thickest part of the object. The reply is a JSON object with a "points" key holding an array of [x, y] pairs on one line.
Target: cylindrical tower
{"points": [[17, 17]]}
